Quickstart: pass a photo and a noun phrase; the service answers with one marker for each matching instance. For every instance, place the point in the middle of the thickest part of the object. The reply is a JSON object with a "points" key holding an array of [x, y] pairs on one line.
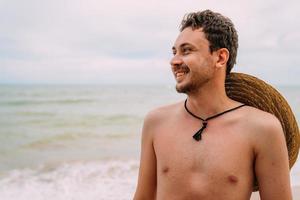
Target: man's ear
{"points": [[222, 57]]}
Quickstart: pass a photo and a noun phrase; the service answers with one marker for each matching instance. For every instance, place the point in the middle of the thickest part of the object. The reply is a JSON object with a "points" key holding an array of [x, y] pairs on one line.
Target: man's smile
{"points": [[180, 74]]}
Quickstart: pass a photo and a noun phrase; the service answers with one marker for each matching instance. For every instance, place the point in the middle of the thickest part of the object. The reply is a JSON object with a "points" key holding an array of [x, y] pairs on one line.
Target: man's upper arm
{"points": [[271, 164], [146, 187]]}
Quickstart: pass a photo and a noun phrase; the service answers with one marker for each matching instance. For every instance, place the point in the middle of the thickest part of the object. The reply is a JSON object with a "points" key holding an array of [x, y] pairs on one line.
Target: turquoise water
{"points": [[71, 136]]}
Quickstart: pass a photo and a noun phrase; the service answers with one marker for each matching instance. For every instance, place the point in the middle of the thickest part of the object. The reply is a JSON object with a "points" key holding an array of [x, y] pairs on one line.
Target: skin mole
{"points": [[233, 179], [165, 170]]}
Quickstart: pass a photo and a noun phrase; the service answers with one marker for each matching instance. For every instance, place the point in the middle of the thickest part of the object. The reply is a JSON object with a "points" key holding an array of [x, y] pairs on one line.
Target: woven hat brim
{"points": [[257, 93]]}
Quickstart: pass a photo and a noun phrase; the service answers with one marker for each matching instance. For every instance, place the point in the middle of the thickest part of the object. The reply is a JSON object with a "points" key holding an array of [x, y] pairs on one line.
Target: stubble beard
{"points": [[193, 86], [195, 80], [187, 88]]}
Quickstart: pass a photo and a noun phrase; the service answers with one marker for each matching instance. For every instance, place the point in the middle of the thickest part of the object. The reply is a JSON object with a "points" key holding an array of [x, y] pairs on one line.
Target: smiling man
{"points": [[210, 147]]}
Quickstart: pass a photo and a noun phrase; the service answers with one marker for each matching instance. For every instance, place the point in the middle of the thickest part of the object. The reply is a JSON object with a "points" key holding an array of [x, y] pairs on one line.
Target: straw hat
{"points": [[255, 92]]}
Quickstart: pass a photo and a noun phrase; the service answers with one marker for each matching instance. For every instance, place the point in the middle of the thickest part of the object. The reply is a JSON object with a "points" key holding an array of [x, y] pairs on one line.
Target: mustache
{"points": [[182, 67]]}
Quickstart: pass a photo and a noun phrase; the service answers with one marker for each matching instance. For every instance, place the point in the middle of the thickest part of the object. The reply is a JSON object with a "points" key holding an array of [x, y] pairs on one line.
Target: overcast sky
{"points": [[129, 41]]}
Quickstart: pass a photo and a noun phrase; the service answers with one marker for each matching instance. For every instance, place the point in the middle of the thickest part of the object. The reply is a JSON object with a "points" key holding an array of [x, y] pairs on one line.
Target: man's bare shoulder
{"points": [[260, 119], [163, 112], [264, 127]]}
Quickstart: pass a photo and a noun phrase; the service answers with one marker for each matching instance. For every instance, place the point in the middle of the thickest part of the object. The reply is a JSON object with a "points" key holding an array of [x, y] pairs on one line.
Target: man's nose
{"points": [[176, 61]]}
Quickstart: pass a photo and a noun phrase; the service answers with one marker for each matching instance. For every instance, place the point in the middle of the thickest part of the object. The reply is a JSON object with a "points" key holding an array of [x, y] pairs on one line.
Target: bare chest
{"points": [[223, 157]]}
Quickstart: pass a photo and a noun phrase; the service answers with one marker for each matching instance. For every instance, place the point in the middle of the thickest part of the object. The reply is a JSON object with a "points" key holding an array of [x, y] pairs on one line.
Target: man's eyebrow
{"points": [[185, 44], [182, 45]]}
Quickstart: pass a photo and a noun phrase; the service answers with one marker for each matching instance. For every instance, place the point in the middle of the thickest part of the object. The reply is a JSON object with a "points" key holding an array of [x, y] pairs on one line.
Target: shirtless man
{"points": [[235, 147]]}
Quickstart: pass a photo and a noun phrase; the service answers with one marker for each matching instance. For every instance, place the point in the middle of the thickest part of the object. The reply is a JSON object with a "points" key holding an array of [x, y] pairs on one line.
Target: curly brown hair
{"points": [[218, 29]]}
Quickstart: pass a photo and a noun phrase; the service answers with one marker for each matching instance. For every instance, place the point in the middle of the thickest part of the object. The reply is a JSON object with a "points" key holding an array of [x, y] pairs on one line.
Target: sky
{"points": [[130, 41]]}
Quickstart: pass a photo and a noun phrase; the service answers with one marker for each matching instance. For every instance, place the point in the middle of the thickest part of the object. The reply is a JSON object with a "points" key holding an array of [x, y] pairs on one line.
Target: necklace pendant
{"points": [[198, 135]]}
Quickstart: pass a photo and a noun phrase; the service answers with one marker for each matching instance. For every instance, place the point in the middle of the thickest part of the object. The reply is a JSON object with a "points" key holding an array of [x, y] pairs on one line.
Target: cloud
{"points": [[121, 41]]}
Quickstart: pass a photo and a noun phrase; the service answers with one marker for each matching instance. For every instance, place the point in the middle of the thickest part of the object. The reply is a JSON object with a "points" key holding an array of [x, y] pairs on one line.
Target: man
{"points": [[210, 147]]}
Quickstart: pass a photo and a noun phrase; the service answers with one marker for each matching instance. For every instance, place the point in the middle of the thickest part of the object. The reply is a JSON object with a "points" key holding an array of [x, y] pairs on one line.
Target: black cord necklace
{"points": [[197, 135]]}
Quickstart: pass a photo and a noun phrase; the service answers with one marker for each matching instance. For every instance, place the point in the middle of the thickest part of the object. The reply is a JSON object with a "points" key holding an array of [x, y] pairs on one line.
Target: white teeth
{"points": [[180, 73]]}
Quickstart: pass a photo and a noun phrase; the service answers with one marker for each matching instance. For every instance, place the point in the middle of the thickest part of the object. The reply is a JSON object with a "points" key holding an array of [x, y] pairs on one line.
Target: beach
{"points": [[73, 142]]}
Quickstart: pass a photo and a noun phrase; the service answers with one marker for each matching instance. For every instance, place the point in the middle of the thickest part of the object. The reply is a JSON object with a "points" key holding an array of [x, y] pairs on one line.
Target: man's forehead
{"points": [[190, 36]]}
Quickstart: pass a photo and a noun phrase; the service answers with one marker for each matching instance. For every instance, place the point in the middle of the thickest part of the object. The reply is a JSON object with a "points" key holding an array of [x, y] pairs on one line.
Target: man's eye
{"points": [[186, 50]]}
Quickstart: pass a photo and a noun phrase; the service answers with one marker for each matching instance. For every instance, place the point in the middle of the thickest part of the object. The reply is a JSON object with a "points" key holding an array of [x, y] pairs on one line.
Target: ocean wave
{"points": [[120, 119], [99, 180], [58, 141], [102, 119], [35, 113], [48, 101], [95, 120], [67, 140], [54, 119]]}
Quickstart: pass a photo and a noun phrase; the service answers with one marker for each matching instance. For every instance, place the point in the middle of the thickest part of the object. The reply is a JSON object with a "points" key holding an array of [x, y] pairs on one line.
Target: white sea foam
{"points": [[101, 180]]}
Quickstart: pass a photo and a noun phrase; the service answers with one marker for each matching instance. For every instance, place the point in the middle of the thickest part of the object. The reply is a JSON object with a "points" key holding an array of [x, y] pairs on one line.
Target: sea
{"points": [[81, 142]]}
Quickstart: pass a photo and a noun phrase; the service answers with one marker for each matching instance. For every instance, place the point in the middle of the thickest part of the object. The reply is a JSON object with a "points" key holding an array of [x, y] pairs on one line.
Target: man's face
{"points": [[193, 63]]}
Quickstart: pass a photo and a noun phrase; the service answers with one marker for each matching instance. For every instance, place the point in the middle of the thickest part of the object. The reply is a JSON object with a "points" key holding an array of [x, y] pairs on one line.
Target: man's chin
{"points": [[187, 88], [181, 88]]}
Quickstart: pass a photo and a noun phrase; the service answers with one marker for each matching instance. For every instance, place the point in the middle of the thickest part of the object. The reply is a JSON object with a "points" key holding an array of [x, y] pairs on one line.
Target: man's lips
{"points": [[178, 74], [181, 72]]}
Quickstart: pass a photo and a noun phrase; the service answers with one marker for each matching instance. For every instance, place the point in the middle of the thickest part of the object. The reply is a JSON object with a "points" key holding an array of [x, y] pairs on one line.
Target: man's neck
{"points": [[207, 102]]}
